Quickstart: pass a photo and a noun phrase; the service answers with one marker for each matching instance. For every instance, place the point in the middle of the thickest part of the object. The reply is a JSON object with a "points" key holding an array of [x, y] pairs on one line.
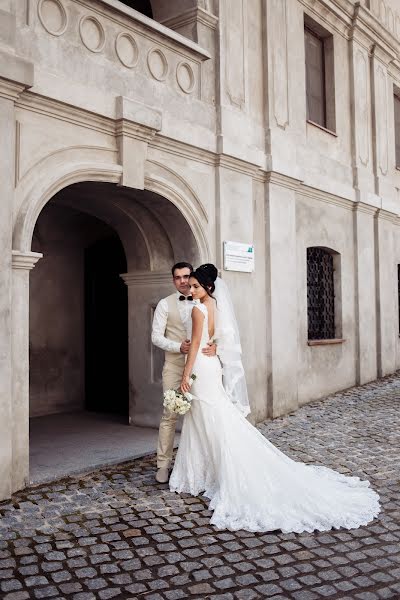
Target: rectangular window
{"points": [[320, 75], [315, 78], [320, 294], [397, 128]]}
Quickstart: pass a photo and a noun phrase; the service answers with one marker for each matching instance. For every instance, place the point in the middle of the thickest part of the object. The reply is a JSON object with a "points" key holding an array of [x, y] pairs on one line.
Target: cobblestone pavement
{"points": [[117, 534]]}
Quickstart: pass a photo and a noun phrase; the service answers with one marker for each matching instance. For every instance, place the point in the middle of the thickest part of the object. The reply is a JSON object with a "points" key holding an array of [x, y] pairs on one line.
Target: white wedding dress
{"points": [[250, 483]]}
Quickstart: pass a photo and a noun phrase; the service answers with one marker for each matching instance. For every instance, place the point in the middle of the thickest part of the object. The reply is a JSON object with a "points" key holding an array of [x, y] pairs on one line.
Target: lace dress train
{"points": [[250, 483]]}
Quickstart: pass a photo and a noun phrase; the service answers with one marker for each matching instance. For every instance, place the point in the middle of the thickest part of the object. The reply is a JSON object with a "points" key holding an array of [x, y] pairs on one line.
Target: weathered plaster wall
{"points": [[57, 361], [325, 369]]}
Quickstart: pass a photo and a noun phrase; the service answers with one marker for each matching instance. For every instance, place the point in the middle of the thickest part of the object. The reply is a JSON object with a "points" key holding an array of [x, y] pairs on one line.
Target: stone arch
{"points": [[64, 171], [166, 195], [32, 197]]}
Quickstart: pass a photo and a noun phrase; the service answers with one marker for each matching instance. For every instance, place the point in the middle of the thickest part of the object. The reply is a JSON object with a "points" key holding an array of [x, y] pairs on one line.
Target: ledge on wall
{"points": [[325, 342]]}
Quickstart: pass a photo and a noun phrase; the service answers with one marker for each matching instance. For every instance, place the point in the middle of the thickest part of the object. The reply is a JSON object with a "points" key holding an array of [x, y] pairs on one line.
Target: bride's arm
{"points": [[197, 329]]}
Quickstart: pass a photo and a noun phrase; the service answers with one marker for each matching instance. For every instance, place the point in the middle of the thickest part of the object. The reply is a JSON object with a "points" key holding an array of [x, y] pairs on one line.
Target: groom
{"points": [[170, 326]]}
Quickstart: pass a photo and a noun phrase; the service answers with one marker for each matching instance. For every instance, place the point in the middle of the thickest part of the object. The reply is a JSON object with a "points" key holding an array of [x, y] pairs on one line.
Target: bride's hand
{"points": [[185, 384]]}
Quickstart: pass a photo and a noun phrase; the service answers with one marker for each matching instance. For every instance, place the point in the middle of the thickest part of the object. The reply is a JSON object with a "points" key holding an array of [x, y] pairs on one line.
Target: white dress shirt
{"points": [[160, 323]]}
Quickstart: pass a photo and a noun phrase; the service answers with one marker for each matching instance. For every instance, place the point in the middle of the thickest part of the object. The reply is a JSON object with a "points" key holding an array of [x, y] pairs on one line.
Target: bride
{"points": [[250, 483]]}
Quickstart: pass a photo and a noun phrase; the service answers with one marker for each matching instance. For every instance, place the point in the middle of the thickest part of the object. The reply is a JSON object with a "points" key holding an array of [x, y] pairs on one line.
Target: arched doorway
{"points": [[106, 327], [107, 253]]}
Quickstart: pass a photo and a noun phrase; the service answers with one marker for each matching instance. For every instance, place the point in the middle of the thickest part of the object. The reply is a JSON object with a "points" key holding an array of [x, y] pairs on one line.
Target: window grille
{"points": [[320, 294]]}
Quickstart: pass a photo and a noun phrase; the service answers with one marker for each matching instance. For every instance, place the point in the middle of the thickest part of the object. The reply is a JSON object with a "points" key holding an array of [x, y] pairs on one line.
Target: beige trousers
{"points": [[172, 377]]}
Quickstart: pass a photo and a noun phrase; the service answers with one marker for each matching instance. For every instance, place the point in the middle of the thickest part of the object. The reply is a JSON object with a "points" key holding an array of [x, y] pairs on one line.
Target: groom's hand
{"points": [[185, 346], [210, 350]]}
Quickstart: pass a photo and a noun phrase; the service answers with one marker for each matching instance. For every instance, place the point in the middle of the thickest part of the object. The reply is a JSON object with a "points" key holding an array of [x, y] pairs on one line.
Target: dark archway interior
{"points": [[81, 356], [106, 327], [78, 316], [142, 6]]}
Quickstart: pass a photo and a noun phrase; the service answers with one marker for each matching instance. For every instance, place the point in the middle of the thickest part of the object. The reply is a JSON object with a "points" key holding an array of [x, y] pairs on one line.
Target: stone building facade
{"points": [[138, 133]]}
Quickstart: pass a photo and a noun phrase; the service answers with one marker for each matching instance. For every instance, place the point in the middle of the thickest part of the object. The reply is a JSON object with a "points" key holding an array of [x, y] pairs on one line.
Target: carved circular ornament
{"points": [[53, 16], [127, 50], [157, 63], [185, 77], [92, 33]]}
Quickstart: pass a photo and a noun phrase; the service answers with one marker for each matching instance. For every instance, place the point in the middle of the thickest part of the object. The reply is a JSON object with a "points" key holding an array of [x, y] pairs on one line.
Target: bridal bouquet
{"points": [[178, 402]]}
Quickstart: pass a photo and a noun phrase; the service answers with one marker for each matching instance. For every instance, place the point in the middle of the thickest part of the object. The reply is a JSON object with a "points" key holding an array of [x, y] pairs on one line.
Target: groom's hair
{"points": [[181, 265]]}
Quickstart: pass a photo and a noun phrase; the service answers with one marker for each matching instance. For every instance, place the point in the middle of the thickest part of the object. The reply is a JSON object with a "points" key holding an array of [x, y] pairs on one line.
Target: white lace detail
{"points": [[250, 483]]}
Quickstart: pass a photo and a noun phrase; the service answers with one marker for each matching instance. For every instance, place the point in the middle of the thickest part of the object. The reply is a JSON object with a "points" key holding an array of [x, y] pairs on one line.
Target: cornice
{"points": [[66, 112], [327, 197], [283, 180], [361, 207], [25, 260], [134, 130], [366, 22], [236, 164], [140, 278], [335, 14], [193, 15], [10, 89], [182, 149], [385, 215]]}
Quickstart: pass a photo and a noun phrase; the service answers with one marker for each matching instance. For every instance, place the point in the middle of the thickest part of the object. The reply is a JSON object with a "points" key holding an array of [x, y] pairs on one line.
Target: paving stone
{"points": [[109, 593], [17, 596], [115, 533], [10, 585], [36, 580], [61, 576], [201, 589], [46, 592]]}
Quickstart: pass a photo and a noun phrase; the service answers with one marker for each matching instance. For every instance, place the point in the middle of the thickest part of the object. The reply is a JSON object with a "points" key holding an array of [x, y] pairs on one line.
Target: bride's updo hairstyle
{"points": [[206, 276]]}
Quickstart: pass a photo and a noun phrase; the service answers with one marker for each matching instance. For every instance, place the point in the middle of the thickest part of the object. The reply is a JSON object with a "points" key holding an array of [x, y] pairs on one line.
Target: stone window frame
{"points": [[313, 30], [337, 299], [396, 122]]}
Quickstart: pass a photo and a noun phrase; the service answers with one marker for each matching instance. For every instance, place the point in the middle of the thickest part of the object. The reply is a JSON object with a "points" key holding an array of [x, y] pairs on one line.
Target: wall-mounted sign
{"points": [[238, 257]]}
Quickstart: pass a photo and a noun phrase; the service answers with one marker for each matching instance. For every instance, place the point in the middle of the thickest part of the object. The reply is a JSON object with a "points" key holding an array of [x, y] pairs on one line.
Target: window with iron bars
{"points": [[320, 294]]}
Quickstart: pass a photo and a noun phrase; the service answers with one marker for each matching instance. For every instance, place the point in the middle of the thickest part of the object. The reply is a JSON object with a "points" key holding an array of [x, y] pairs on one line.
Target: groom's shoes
{"points": [[162, 475]]}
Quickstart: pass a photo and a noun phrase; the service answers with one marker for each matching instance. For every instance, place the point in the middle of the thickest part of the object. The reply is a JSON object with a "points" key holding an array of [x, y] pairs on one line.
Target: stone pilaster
{"points": [[22, 263], [282, 326]]}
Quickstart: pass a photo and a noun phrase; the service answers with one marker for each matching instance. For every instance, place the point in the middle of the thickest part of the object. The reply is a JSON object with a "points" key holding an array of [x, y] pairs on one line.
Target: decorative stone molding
{"points": [[127, 50], [10, 90], [385, 215], [136, 120], [135, 35], [92, 33], [158, 64], [142, 278], [53, 16], [67, 112], [236, 164], [190, 17], [136, 124], [328, 198], [185, 77], [16, 75], [25, 260], [368, 209], [282, 180]]}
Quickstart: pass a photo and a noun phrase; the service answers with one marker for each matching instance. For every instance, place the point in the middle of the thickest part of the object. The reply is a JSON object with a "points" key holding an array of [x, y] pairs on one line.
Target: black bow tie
{"points": [[185, 297]]}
